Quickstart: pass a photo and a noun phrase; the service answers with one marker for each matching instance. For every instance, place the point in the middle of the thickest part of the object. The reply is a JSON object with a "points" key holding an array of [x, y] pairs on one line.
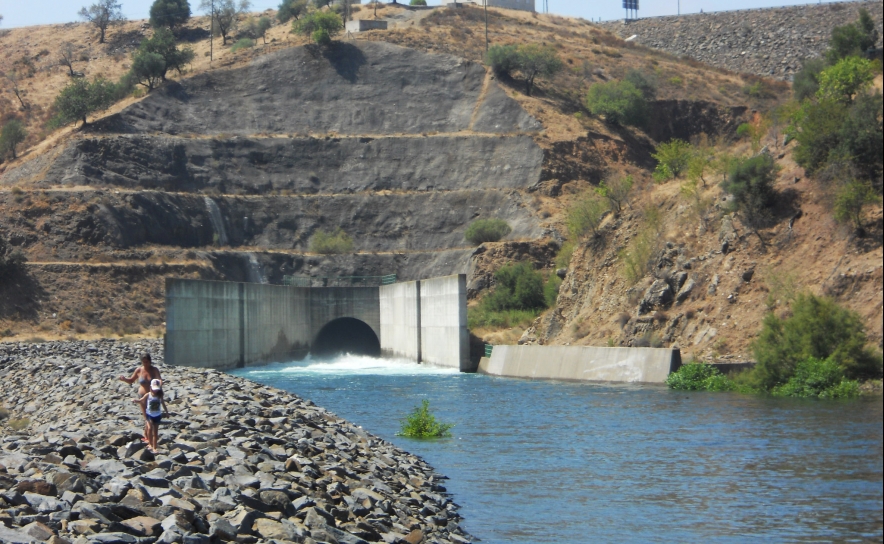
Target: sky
{"points": [[39, 12]]}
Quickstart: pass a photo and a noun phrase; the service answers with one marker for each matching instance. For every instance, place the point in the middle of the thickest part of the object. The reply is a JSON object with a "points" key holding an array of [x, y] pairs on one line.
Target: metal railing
{"points": [[338, 281], [488, 349]]}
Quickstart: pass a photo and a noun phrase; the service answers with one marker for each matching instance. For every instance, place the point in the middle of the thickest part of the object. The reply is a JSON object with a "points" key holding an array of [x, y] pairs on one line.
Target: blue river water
{"points": [[536, 461]]}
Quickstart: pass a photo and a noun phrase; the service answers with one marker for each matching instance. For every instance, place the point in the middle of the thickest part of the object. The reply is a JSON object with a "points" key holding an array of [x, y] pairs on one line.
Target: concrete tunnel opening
{"points": [[346, 335]]}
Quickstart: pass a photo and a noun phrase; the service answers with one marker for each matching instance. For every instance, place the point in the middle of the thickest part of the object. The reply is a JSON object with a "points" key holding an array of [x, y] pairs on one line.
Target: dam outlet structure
{"points": [[227, 325]]}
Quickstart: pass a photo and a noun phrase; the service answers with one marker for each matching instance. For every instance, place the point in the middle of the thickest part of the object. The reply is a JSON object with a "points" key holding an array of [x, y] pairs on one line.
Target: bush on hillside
{"points": [[417, 3], [169, 13], [242, 43], [586, 215], [517, 287], [751, 184], [487, 230], [616, 190], [806, 82], [820, 329], [12, 261], [12, 134], [503, 59], [673, 158], [331, 243], [852, 39], [645, 83], [845, 80], [321, 26], [80, 98], [851, 200], [156, 56], [620, 102]]}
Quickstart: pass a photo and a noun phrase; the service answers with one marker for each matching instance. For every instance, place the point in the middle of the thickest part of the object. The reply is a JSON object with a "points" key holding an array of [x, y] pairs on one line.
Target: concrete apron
{"points": [[582, 363]]}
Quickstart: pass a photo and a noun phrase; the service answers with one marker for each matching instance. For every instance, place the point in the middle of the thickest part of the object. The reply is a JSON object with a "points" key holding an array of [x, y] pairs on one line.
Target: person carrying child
{"points": [[154, 406]]}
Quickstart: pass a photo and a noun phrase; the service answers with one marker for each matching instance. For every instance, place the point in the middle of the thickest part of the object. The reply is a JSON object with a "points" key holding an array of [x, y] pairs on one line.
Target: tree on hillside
{"points": [[80, 98], [846, 79], [257, 28], [12, 134], [103, 14], [226, 15], [169, 13], [619, 101], [67, 55], [751, 184], [291, 9], [852, 39], [19, 93], [531, 60], [156, 56], [321, 26]]}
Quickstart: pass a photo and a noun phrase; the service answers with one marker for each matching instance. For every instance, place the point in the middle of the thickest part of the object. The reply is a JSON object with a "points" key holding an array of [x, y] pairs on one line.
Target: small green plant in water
{"points": [[421, 423], [699, 377]]}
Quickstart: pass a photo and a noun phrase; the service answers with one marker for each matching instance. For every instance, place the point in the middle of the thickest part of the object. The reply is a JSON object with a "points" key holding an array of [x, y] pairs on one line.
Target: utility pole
{"points": [[485, 2], [212, 33]]}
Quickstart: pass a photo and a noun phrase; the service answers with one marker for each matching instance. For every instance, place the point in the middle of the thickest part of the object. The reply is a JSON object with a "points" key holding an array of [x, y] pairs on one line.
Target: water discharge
{"points": [[217, 221], [537, 461], [255, 270]]}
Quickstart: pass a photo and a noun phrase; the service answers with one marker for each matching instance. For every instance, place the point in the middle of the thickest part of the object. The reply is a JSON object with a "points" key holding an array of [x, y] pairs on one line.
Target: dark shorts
{"points": [[155, 419]]}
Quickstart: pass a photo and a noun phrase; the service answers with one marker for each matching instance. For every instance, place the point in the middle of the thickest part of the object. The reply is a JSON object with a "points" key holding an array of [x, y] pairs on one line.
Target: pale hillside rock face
{"points": [[238, 461]]}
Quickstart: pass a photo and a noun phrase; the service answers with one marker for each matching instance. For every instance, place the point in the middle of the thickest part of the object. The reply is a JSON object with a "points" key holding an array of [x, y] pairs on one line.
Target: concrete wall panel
{"points": [[444, 335], [641, 365], [202, 323], [400, 320]]}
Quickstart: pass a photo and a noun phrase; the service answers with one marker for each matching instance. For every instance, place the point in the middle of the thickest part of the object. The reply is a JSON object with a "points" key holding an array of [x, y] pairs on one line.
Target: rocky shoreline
{"points": [[237, 462]]}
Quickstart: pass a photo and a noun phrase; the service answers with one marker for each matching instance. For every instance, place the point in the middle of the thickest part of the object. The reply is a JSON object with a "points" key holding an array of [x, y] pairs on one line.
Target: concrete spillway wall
{"points": [[225, 325], [640, 365]]}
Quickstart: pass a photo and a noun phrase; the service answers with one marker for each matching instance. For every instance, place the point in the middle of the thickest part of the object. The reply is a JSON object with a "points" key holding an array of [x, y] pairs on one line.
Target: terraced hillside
{"points": [[230, 173]]}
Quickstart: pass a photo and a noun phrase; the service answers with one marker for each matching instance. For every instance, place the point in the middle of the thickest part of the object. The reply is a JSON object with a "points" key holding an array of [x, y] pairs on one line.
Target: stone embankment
{"points": [[237, 461], [767, 42]]}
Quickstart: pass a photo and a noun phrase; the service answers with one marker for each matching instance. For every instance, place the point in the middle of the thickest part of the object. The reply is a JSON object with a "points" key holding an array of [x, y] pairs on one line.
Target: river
{"points": [[537, 461]]}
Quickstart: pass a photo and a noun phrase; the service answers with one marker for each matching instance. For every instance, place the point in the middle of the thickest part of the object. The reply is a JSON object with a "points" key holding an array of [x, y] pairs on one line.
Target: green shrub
{"points": [[242, 43], [487, 230], [698, 376], [321, 26], [822, 378], [503, 59], [645, 83], [80, 98], [672, 159], [417, 3], [616, 190], [421, 423], [675, 81], [806, 82], [818, 328], [620, 102], [12, 134], [531, 60], [517, 287], [12, 262], [158, 55], [551, 290], [636, 257], [4, 413], [19, 424], [816, 129], [563, 256], [852, 39], [169, 13], [331, 243], [861, 138], [481, 316], [586, 215], [851, 199], [751, 183]]}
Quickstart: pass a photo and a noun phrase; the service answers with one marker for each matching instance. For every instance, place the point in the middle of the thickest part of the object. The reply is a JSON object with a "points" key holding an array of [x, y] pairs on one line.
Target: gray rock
{"points": [[658, 295], [685, 290]]}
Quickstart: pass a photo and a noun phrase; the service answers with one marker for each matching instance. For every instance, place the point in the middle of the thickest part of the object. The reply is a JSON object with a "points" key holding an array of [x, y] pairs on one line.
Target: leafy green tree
{"points": [[852, 39], [417, 3], [169, 13], [850, 201], [12, 134], [487, 230], [673, 158], [321, 26], [290, 9], [619, 101], [751, 184], [538, 60], [80, 98], [226, 15], [861, 138], [806, 82], [530, 60], [818, 328], [102, 14], [503, 59], [616, 190], [257, 28], [846, 79], [815, 127], [156, 56]]}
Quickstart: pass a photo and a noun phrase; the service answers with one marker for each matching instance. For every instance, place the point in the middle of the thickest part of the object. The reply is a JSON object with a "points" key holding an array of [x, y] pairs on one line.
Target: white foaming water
{"points": [[352, 365]]}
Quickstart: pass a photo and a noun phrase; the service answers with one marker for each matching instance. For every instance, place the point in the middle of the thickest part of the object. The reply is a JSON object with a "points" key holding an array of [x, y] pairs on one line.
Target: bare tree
{"points": [[103, 14], [225, 15], [67, 55], [12, 77]]}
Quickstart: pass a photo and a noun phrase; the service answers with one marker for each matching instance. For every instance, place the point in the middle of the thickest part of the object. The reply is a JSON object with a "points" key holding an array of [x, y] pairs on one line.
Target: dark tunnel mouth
{"points": [[346, 335]]}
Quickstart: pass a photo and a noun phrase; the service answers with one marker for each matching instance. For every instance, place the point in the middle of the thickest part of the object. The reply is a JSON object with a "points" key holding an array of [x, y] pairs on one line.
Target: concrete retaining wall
{"points": [[445, 339], [225, 325], [638, 365], [400, 320]]}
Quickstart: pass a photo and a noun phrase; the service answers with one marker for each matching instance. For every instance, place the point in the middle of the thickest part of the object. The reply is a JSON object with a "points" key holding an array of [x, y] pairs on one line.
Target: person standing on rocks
{"points": [[144, 374], [154, 406]]}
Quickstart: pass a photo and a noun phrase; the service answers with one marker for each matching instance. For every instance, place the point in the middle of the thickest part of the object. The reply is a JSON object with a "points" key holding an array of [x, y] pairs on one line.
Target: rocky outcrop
{"points": [[767, 42], [238, 461]]}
